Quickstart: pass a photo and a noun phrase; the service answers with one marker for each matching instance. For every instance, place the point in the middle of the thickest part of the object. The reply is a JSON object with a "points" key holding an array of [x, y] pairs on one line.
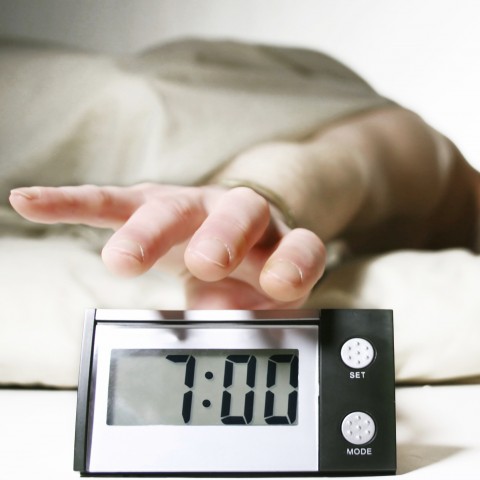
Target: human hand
{"points": [[228, 245]]}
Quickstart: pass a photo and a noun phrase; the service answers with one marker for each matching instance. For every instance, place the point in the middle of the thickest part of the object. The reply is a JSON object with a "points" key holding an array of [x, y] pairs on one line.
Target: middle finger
{"points": [[234, 225], [152, 230]]}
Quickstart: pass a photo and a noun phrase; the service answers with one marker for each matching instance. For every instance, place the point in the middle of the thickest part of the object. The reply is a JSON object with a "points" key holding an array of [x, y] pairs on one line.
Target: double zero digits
{"points": [[265, 392]]}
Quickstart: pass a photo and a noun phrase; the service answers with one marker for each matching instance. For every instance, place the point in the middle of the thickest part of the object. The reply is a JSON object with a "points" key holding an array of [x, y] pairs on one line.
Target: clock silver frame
{"points": [[179, 448]]}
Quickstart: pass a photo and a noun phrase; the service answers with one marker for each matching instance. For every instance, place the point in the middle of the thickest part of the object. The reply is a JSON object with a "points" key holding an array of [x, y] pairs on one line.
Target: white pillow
{"points": [[47, 283]]}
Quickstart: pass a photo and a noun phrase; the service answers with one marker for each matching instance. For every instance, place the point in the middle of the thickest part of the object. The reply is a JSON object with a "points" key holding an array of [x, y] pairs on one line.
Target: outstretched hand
{"points": [[230, 247]]}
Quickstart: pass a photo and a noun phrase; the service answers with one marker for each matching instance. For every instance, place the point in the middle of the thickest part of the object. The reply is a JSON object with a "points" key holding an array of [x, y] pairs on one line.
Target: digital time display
{"points": [[203, 387]]}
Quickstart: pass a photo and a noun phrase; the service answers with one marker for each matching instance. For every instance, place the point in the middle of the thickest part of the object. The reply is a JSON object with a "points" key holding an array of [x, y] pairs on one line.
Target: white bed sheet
{"points": [[438, 433]]}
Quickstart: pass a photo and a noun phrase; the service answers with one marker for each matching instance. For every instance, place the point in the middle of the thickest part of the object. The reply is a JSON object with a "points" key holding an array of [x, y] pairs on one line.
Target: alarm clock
{"points": [[236, 393]]}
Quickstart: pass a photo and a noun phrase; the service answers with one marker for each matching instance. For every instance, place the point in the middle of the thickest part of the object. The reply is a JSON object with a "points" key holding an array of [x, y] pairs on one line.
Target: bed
{"points": [[50, 275]]}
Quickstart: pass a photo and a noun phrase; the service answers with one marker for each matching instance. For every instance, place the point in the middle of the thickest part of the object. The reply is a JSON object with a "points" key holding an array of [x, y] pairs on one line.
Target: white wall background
{"points": [[425, 54]]}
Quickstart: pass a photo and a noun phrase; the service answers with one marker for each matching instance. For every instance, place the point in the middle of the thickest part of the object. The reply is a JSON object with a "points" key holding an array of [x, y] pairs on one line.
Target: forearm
{"points": [[381, 180], [321, 183], [421, 191]]}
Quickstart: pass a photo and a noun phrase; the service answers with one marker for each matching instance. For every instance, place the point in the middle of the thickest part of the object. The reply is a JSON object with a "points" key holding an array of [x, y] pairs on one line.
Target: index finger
{"points": [[106, 207]]}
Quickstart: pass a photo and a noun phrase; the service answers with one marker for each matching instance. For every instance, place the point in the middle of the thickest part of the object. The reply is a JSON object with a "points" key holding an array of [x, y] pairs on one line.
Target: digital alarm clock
{"points": [[236, 393]]}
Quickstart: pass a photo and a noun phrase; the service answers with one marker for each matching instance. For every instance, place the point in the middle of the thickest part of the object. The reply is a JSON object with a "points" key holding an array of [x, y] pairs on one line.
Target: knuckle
{"points": [[181, 208], [104, 197], [69, 199]]}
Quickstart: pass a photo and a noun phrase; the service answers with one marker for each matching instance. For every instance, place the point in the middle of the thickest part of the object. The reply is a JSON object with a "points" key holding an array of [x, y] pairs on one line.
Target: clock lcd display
{"points": [[203, 387]]}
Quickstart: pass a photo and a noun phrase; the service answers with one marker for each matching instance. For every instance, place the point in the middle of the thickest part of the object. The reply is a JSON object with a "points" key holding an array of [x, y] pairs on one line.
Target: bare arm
{"points": [[381, 180]]}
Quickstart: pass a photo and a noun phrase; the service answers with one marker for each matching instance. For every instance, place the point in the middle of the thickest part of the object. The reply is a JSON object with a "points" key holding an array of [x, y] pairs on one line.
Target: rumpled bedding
{"points": [[175, 114]]}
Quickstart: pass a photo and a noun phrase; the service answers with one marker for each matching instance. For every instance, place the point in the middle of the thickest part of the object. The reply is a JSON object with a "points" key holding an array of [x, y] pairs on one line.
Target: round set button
{"points": [[357, 353]]}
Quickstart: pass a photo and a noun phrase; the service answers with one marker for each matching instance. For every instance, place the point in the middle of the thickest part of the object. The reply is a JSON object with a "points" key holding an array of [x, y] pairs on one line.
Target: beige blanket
{"points": [[174, 115]]}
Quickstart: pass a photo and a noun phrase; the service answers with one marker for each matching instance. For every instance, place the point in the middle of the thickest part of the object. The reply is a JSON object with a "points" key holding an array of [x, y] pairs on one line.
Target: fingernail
{"points": [[29, 193], [214, 251], [285, 271], [129, 248]]}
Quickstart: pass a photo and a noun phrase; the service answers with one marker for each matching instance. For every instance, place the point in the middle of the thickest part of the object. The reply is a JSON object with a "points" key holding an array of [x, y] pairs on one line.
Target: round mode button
{"points": [[358, 428]]}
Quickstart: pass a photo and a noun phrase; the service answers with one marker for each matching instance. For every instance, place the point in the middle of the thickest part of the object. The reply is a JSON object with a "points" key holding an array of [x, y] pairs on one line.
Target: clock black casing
{"points": [[342, 389]]}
